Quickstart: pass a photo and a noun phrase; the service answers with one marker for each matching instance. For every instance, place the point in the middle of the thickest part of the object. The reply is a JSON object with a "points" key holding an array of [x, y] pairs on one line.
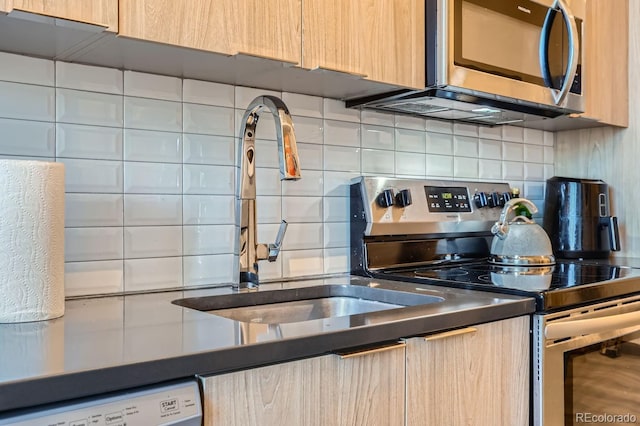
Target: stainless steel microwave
{"points": [[496, 61]]}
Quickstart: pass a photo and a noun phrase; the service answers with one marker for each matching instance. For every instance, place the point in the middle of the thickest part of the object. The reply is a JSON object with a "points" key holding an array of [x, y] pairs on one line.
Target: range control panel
{"points": [[394, 206]]}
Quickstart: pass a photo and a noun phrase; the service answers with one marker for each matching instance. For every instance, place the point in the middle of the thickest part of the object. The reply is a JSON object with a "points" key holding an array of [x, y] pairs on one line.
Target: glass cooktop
{"points": [[566, 283]]}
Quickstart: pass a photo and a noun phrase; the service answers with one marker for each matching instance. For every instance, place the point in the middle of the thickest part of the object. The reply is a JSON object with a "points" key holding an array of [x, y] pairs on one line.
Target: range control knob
{"points": [[493, 200], [480, 199], [385, 198], [506, 196], [403, 198]]}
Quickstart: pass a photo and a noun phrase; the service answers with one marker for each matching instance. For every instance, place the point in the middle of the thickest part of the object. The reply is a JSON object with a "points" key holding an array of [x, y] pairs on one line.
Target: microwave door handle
{"points": [[572, 63], [576, 328], [611, 223]]}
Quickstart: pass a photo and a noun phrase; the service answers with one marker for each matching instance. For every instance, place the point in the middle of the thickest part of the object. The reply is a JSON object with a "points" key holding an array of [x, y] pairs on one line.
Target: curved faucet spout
{"points": [[250, 250]]}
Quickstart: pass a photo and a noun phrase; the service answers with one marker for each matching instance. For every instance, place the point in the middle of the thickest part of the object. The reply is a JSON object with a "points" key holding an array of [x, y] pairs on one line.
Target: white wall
{"points": [[150, 170]]}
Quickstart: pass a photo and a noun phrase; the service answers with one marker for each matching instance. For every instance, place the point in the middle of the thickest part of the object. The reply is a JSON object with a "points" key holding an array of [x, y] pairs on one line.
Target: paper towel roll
{"points": [[31, 240]]}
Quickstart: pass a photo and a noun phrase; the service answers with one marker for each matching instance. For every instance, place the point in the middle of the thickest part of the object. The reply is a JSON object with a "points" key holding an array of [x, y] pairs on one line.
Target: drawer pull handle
{"points": [[397, 345], [451, 333]]}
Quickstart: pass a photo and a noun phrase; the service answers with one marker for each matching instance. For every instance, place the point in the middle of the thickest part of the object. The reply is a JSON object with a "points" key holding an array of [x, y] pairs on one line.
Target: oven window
{"points": [[602, 383]]}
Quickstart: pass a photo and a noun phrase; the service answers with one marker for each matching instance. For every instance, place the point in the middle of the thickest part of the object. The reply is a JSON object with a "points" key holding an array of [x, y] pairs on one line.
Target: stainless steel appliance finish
{"points": [[578, 219], [496, 62], [442, 238], [176, 404]]}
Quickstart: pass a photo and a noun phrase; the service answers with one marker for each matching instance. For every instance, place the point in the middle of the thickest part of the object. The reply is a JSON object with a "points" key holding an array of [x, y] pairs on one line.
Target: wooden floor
{"points": [[605, 385]]}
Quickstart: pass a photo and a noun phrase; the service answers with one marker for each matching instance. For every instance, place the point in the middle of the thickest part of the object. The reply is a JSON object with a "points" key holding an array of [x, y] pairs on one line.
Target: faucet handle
{"points": [[274, 249]]}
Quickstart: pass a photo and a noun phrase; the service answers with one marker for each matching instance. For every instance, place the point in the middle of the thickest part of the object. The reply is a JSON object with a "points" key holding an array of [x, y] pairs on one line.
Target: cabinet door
{"points": [[101, 12], [327, 390], [473, 376], [382, 40], [260, 28], [607, 61]]}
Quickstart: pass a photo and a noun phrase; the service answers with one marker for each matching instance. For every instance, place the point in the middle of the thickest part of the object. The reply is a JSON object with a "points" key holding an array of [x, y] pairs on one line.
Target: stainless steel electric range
{"points": [[439, 232]]}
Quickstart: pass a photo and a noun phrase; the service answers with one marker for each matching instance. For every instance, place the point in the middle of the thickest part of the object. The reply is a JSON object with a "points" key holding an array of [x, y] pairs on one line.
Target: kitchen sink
{"points": [[305, 303]]}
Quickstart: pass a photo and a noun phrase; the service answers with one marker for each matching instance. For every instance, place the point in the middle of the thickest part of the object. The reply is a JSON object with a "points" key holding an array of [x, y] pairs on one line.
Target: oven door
{"points": [[525, 49], [587, 365]]}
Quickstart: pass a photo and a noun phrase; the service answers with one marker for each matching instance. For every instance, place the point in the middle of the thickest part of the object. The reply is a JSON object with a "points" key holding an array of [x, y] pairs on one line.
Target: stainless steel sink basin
{"points": [[305, 303]]}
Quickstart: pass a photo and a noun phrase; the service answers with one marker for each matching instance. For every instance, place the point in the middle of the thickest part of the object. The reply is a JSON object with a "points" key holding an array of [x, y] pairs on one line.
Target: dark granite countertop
{"points": [[106, 344]]}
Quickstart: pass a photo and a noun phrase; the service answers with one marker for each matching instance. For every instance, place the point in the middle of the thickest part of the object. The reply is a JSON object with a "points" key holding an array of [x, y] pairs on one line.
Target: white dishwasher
{"points": [[173, 404]]}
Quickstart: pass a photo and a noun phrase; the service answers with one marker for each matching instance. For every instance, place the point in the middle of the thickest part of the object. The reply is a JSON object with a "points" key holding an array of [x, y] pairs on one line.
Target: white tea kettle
{"points": [[520, 241]]}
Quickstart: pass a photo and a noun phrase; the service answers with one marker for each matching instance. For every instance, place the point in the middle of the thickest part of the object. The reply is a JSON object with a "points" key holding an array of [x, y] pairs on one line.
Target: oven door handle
{"points": [[577, 328]]}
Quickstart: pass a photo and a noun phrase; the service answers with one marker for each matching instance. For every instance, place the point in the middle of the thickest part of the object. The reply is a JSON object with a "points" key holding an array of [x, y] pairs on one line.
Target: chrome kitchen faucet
{"points": [[250, 251]]}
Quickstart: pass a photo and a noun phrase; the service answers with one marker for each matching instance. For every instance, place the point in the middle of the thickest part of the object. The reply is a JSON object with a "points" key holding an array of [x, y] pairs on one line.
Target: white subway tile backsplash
{"points": [[27, 102], [89, 78], [208, 93], [439, 143], [341, 133], [341, 158], [409, 122], [411, 140], [151, 170], [148, 209], [311, 185], [148, 145], [152, 114], [378, 162], [490, 149], [207, 149], [336, 260], [93, 176], [212, 269], [97, 277], [464, 146], [152, 86], [410, 164], [270, 209], [152, 241], [89, 142], [96, 109], [534, 153], [439, 166], [152, 178], [208, 239], [336, 209], [302, 262], [208, 120], [378, 137], [28, 138], [302, 236], [93, 210], [466, 168], [303, 105], [335, 110], [336, 234], [302, 209], [25, 69], [312, 154], [209, 209], [153, 274], [212, 180], [83, 244], [309, 130]]}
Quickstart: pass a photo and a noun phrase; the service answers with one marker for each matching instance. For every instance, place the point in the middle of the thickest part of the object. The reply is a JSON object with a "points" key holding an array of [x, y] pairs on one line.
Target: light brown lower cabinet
{"points": [[364, 388], [473, 376]]}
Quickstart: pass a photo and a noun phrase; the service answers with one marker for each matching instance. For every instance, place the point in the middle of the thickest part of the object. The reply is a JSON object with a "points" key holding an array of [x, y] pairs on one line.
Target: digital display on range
{"points": [[447, 199]]}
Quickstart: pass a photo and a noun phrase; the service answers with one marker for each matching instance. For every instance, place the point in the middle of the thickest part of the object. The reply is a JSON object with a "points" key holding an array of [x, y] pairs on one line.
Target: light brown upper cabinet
{"points": [[607, 61], [381, 40], [100, 12], [268, 29]]}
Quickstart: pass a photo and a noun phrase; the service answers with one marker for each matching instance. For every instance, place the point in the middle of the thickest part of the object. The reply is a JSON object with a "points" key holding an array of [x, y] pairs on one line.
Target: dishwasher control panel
{"points": [[175, 404]]}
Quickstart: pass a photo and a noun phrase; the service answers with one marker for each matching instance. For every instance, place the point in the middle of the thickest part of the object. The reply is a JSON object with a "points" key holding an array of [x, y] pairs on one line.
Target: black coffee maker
{"points": [[576, 217]]}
